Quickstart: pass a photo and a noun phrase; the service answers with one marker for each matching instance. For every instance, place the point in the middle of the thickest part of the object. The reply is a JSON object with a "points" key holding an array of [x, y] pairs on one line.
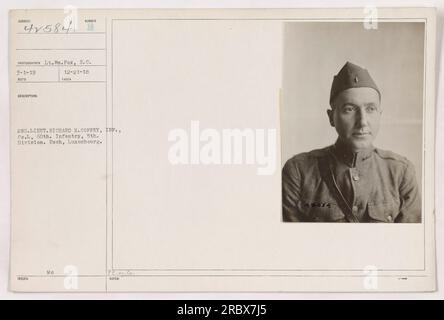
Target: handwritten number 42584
{"points": [[49, 28]]}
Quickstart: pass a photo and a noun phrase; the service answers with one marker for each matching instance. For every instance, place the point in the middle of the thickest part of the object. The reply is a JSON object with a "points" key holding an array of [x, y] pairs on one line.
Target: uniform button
{"points": [[389, 218], [356, 178], [355, 209]]}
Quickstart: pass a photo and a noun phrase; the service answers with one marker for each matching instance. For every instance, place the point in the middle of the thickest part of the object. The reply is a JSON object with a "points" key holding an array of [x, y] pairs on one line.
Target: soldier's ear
{"points": [[330, 117], [380, 107]]}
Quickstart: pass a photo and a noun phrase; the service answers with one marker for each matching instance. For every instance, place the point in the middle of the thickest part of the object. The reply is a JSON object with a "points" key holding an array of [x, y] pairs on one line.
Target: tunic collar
{"points": [[349, 157]]}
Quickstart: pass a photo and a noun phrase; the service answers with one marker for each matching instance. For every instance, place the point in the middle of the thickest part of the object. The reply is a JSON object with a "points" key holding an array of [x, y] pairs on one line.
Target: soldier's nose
{"points": [[362, 120]]}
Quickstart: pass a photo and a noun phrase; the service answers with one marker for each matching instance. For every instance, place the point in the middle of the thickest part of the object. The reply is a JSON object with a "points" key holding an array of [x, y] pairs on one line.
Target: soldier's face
{"points": [[356, 115]]}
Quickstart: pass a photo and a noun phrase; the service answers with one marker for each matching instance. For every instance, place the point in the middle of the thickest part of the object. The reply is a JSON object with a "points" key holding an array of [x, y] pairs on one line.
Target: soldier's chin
{"points": [[360, 143]]}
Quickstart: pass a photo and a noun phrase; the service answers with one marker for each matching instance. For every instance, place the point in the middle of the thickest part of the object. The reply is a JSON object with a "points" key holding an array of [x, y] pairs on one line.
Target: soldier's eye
{"points": [[371, 109], [348, 109]]}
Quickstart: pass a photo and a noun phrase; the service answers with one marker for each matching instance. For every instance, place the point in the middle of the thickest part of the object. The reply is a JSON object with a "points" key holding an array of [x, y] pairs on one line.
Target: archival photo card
{"points": [[235, 150]]}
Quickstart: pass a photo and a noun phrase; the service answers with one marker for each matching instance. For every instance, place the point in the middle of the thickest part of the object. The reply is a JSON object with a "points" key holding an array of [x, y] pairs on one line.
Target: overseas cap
{"points": [[351, 76]]}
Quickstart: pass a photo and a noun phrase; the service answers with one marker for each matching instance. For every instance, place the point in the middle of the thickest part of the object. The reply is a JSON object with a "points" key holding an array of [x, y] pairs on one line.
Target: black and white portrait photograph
{"points": [[351, 122]]}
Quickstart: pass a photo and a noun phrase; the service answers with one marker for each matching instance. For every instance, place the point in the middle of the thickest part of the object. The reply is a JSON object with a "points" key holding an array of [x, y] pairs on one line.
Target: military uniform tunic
{"points": [[335, 185]]}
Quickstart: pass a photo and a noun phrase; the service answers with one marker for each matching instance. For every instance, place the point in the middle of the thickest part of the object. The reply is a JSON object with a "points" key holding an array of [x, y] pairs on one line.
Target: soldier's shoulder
{"points": [[392, 157], [308, 157]]}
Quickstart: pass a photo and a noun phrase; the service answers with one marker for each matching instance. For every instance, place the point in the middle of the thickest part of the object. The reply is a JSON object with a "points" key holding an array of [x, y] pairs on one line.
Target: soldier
{"points": [[351, 181]]}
